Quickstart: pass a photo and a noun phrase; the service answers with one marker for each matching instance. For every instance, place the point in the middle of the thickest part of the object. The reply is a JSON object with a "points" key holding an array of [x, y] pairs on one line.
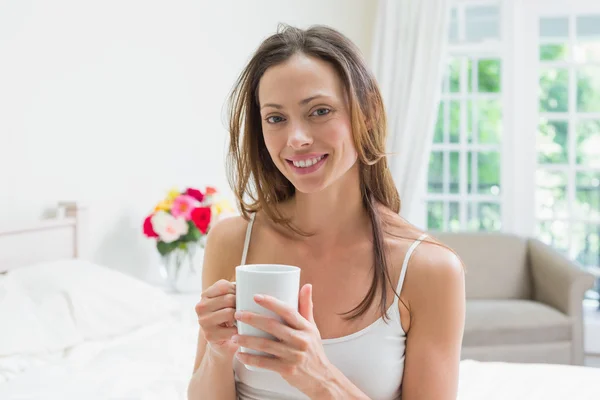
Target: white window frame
{"points": [[500, 50], [525, 110]]}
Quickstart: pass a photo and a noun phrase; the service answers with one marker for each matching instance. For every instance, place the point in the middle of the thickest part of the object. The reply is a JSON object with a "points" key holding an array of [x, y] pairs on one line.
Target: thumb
{"points": [[305, 306]]}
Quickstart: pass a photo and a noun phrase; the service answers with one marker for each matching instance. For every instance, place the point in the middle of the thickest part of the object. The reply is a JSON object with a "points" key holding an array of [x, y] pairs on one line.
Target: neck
{"points": [[333, 214]]}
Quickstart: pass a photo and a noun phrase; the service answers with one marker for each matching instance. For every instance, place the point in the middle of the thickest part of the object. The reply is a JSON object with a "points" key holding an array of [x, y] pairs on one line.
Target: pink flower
{"points": [[168, 227], [183, 206]]}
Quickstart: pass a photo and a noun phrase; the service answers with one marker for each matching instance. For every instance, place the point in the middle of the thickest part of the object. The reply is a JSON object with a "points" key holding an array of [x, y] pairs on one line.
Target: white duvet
{"points": [[126, 340], [154, 362]]}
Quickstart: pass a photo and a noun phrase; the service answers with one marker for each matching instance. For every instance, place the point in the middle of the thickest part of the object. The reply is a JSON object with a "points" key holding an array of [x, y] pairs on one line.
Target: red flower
{"points": [[201, 218], [148, 229], [210, 190], [195, 193]]}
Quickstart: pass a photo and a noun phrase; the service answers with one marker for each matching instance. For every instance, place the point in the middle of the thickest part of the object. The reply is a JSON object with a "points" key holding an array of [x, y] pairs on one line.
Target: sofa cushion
{"points": [[508, 322], [496, 264]]}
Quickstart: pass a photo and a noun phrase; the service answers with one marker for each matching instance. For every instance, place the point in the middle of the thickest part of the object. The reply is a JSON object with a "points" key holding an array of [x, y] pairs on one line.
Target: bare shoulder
{"points": [[435, 274], [433, 267], [224, 247]]}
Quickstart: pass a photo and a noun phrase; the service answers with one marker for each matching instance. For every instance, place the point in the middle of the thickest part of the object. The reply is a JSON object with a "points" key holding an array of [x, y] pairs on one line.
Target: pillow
{"points": [[101, 302], [30, 327]]}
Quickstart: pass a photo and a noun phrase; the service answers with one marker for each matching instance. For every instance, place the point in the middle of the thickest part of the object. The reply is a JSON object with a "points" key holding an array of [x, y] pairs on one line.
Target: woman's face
{"points": [[306, 123]]}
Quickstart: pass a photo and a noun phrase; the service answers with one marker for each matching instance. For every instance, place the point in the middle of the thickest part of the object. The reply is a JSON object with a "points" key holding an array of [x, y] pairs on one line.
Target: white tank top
{"points": [[372, 358]]}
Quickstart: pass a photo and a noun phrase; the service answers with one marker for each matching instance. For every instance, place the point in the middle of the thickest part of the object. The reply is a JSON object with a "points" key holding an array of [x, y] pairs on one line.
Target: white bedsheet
{"points": [[155, 363]]}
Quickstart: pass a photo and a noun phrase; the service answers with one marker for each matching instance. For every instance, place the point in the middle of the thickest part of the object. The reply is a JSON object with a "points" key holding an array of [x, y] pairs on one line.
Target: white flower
{"points": [[167, 227]]}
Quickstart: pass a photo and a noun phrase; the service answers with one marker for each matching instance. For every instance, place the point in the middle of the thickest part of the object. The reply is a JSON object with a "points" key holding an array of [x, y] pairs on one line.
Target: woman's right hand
{"points": [[215, 312]]}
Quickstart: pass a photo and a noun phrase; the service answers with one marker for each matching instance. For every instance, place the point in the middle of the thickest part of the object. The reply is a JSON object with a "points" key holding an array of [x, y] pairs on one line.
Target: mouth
{"points": [[309, 165]]}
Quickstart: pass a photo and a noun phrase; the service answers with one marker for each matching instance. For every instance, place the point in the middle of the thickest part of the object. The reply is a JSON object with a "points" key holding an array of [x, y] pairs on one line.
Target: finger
{"points": [[217, 317], [265, 362], [278, 349], [287, 313], [219, 288], [305, 303], [272, 326], [215, 303]]}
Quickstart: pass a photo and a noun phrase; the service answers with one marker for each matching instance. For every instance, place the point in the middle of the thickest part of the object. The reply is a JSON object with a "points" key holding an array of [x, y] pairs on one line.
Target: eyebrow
{"points": [[301, 102]]}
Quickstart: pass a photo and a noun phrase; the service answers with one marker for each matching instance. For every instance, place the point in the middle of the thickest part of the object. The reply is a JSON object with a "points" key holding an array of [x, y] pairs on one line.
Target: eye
{"points": [[274, 119], [321, 111]]}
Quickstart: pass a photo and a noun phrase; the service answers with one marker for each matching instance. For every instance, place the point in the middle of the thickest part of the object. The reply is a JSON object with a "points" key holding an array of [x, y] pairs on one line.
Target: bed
{"points": [[72, 329]]}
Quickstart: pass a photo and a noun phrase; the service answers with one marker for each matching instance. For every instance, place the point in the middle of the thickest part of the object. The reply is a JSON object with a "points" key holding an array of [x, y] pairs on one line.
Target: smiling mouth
{"points": [[307, 163]]}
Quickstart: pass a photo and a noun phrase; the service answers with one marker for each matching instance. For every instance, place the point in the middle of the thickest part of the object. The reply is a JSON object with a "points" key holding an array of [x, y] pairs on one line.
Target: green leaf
{"points": [[193, 234], [165, 248]]}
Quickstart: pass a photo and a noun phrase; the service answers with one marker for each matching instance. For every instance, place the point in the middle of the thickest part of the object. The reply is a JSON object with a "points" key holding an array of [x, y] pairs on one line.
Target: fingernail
{"points": [[237, 315], [259, 297], [235, 338]]}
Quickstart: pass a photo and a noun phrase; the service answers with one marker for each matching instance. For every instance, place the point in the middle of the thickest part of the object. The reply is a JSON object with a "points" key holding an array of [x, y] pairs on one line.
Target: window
{"points": [[516, 146], [567, 178], [464, 178]]}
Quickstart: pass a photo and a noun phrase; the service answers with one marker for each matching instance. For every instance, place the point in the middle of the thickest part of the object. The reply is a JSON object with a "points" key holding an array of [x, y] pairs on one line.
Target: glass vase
{"points": [[181, 268]]}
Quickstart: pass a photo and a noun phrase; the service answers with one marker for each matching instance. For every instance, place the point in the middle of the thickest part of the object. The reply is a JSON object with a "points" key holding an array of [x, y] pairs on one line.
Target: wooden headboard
{"points": [[52, 239]]}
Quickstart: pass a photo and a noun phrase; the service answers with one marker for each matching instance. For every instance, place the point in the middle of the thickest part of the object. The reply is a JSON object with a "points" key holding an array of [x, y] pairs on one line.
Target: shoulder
{"points": [[433, 268], [435, 274], [223, 250]]}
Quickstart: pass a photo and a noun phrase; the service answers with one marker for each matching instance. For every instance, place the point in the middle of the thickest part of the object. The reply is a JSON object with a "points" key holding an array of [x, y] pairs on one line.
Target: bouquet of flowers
{"points": [[182, 219]]}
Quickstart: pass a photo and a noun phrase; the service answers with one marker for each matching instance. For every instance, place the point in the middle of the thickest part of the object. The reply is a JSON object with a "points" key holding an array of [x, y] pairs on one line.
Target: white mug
{"points": [[276, 280]]}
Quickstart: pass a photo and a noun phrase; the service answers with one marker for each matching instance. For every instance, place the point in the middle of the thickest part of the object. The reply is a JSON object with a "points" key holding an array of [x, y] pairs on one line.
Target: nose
{"points": [[299, 137]]}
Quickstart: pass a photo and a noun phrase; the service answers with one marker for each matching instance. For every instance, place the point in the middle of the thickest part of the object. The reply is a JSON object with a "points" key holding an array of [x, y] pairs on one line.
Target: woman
{"points": [[381, 308]]}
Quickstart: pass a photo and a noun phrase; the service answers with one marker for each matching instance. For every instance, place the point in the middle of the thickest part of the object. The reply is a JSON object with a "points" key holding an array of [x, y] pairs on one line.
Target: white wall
{"points": [[115, 101]]}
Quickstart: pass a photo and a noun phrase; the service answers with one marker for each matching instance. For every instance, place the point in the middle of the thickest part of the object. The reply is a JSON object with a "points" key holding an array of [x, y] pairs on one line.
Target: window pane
{"points": [[585, 52], [435, 215], [453, 27], [588, 89], [436, 165], [552, 142], [481, 23], [551, 194], [454, 74], [587, 205], [586, 246], [588, 143], [489, 116], [553, 52], [454, 172], [454, 121], [588, 27], [470, 83], [488, 76], [554, 85], [488, 172], [554, 27], [555, 234], [438, 136], [484, 217], [454, 218], [469, 121]]}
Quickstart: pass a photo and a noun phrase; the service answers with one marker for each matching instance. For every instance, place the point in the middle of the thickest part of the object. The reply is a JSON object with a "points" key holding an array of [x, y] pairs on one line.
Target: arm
{"points": [[213, 374], [435, 293]]}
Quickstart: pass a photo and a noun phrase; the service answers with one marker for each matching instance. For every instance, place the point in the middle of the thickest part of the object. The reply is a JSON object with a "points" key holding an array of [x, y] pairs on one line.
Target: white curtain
{"points": [[408, 60]]}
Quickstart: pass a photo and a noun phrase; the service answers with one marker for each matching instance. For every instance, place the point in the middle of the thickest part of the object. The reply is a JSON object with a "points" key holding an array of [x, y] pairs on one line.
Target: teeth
{"points": [[307, 163]]}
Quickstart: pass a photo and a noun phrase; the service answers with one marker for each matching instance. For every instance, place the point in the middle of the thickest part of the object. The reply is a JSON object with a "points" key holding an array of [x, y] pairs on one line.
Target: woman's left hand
{"points": [[299, 356]]}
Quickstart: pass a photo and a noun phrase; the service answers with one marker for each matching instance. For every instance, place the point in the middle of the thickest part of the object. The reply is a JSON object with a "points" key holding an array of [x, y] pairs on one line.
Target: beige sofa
{"points": [[524, 300]]}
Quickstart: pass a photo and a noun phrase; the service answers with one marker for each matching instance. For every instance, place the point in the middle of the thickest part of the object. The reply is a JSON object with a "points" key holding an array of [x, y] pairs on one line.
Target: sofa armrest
{"points": [[557, 281]]}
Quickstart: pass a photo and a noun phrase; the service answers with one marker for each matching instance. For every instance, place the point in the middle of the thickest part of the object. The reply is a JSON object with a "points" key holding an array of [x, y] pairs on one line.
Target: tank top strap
{"points": [[247, 239], [412, 248]]}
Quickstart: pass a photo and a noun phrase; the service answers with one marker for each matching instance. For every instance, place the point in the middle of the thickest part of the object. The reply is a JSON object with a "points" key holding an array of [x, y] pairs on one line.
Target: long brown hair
{"points": [[255, 179]]}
